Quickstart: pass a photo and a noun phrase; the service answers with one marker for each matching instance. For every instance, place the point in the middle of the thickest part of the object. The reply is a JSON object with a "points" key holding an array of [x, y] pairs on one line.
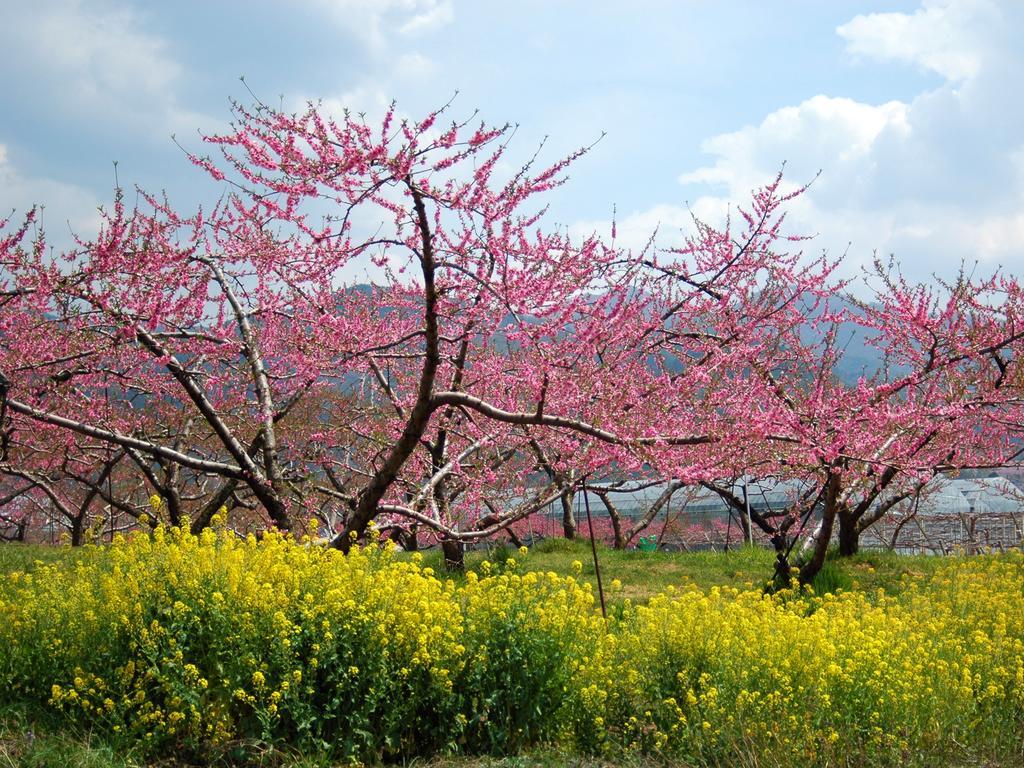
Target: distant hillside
{"points": [[859, 358]]}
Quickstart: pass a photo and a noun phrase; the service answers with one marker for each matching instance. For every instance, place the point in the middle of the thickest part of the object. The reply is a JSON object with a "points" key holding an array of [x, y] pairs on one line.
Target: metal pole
{"points": [[746, 503], [668, 511], [593, 548], [110, 474]]}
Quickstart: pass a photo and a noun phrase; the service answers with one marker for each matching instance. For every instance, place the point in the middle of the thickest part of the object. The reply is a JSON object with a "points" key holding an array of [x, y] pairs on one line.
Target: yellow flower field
{"points": [[212, 645]]}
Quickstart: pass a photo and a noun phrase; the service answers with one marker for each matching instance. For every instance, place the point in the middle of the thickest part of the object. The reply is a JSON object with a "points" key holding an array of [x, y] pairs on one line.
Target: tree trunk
{"points": [[618, 538], [811, 568], [78, 531], [220, 498], [568, 519], [454, 555], [849, 535], [419, 414]]}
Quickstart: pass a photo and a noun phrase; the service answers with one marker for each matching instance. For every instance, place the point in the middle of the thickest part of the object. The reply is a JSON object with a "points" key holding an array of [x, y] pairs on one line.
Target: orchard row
{"points": [[493, 364]]}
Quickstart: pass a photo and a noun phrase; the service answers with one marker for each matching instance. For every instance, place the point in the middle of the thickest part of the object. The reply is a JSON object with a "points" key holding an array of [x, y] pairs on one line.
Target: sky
{"points": [[910, 110]]}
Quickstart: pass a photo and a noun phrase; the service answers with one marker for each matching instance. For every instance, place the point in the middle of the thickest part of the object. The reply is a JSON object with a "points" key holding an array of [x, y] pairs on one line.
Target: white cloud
{"points": [[373, 21], [936, 180], [96, 60], [76, 207], [837, 131], [430, 14], [635, 229], [945, 36], [414, 66], [367, 99]]}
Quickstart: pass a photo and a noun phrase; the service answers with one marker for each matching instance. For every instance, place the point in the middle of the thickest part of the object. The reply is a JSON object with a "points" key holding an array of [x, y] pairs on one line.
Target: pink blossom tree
{"points": [[236, 314], [943, 399]]}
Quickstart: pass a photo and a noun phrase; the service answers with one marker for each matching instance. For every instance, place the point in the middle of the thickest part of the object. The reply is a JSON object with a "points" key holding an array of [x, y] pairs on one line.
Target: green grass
{"points": [[25, 557], [645, 574], [20, 747], [25, 744], [543, 759], [28, 744]]}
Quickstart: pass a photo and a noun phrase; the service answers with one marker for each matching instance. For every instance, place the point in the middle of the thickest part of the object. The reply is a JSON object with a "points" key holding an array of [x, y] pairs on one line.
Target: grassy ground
{"points": [[78, 751], [20, 746], [21, 749], [34, 745], [644, 574], [27, 557]]}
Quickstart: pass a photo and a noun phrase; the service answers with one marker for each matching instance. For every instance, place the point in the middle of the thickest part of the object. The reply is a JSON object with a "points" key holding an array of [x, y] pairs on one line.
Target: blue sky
{"points": [[911, 110]]}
